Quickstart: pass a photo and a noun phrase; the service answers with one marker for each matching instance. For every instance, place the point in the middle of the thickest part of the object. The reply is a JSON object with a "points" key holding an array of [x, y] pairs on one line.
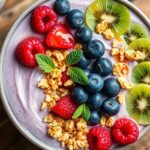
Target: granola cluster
{"points": [[71, 133], [51, 83], [107, 121], [103, 28]]}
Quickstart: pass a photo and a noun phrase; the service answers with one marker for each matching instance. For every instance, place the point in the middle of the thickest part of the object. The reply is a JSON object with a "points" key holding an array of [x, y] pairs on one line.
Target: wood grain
{"points": [[10, 138]]}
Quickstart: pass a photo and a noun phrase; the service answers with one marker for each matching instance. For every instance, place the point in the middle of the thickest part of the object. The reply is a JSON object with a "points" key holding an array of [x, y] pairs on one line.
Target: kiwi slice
{"points": [[114, 13], [138, 103], [142, 45], [141, 73], [135, 31]]}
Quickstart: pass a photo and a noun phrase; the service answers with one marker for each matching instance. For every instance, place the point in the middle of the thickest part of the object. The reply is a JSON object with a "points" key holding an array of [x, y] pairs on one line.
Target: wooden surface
{"points": [[10, 138]]}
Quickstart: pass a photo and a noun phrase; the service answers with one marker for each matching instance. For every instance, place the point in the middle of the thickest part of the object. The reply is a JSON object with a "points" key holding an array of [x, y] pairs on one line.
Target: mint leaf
{"points": [[45, 63], [78, 112], [74, 57], [78, 75], [86, 112]]}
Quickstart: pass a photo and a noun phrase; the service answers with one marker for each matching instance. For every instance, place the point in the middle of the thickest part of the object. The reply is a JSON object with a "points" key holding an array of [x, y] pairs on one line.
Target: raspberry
{"points": [[64, 77], [125, 131], [43, 18], [65, 107], [99, 138], [26, 50]]}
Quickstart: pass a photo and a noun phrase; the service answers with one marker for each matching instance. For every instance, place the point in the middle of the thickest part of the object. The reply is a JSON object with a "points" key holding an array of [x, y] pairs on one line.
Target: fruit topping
{"points": [[79, 95], [111, 107], [64, 77], [83, 35], [137, 102], [95, 101], [43, 19], [95, 83], [99, 138], [94, 117], [26, 50], [65, 107], [62, 7], [108, 15], [141, 45], [95, 49], [125, 131], [111, 87], [87, 72], [141, 73], [84, 62], [103, 67], [75, 18], [59, 37], [134, 32]]}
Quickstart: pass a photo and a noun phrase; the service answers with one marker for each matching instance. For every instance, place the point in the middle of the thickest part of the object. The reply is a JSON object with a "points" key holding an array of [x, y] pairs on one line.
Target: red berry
{"points": [[125, 131], [65, 107], [64, 77], [59, 37], [43, 18], [27, 49], [99, 138]]}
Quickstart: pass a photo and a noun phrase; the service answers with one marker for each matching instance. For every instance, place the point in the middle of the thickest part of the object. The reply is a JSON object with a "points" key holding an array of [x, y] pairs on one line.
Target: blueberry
{"points": [[75, 18], [87, 71], [111, 87], [111, 107], [83, 34], [94, 118], [95, 101], [95, 49], [62, 7], [79, 95], [84, 62], [95, 83], [103, 67]]}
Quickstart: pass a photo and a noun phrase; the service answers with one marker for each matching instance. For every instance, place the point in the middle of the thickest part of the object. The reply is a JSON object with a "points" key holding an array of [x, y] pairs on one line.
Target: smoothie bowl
{"points": [[77, 75]]}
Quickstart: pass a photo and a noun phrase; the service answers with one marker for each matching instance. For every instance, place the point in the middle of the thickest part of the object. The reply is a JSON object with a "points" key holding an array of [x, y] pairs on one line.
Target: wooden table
{"points": [[10, 138]]}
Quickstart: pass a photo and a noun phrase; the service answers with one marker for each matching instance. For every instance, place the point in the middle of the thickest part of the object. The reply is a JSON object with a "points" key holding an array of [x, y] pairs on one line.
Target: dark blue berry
{"points": [[95, 83], [111, 107], [103, 67], [83, 34], [95, 49], [75, 18], [62, 7], [95, 101], [111, 87], [84, 62], [79, 95], [94, 118]]}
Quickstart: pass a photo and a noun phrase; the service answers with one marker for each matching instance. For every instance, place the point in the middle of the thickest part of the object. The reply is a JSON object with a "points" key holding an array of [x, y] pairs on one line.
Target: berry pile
{"points": [[97, 96]]}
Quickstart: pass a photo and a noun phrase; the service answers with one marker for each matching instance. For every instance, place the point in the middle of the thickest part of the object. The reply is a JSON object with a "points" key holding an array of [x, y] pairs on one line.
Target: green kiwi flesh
{"points": [[142, 45], [138, 103], [134, 32], [141, 73], [114, 13]]}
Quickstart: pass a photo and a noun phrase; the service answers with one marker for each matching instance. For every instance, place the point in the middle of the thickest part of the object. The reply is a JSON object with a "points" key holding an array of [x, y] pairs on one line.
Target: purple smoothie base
{"points": [[20, 82]]}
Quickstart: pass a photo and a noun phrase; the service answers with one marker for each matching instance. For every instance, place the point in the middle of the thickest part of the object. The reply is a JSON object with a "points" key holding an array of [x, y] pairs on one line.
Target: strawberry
{"points": [[125, 131], [26, 50], [65, 107], [43, 18], [59, 37], [99, 138]]}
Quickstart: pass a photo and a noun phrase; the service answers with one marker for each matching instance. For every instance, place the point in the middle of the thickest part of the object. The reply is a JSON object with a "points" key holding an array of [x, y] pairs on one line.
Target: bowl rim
{"points": [[5, 103]]}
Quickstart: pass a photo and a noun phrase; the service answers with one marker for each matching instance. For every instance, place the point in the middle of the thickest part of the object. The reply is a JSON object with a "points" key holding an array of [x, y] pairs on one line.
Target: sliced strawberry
{"points": [[59, 37], [65, 107]]}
